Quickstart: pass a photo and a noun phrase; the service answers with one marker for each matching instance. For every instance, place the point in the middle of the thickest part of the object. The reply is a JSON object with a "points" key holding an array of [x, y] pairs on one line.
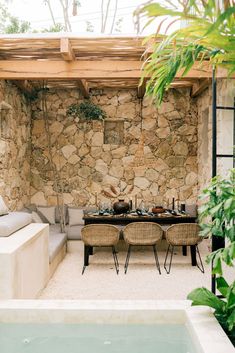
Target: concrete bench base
{"points": [[57, 260], [24, 265]]}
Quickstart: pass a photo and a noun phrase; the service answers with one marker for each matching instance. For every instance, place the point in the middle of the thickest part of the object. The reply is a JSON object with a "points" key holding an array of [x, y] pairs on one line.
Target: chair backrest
{"points": [[100, 235], [183, 234], [142, 233]]}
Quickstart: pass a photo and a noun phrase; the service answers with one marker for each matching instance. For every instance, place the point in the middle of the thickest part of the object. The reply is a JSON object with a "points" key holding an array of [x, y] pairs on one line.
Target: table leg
{"points": [[184, 250], [86, 255], [193, 255], [90, 250]]}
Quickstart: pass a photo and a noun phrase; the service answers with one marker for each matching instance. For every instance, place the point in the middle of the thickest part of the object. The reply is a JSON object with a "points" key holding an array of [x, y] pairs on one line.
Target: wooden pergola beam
{"points": [[83, 87], [66, 50], [141, 89], [199, 86], [85, 69]]}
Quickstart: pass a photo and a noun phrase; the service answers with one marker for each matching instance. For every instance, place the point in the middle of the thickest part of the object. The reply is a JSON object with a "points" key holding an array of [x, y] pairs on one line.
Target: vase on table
{"points": [[121, 207]]}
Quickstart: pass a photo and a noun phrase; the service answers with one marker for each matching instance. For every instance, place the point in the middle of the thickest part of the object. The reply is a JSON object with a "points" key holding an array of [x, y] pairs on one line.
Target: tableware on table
{"points": [[158, 209]]}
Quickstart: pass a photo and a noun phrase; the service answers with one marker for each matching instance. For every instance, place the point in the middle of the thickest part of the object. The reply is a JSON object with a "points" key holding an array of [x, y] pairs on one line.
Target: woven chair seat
{"points": [[142, 233], [100, 235], [184, 234]]}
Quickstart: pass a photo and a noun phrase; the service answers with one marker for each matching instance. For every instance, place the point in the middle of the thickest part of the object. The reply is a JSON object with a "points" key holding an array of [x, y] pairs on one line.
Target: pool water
{"points": [[99, 338]]}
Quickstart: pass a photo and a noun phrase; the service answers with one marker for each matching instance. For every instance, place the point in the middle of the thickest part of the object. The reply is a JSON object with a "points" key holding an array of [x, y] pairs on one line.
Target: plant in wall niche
{"points": [[86, 110], [218, 211]]}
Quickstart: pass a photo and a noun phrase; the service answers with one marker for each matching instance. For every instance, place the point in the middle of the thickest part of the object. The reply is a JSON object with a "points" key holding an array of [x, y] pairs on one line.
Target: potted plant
{"points": [[87, 110], [219, 212]]}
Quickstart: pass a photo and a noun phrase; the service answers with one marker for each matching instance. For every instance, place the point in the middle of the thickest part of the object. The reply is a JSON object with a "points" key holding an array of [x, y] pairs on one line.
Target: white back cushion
{"points": [[75, 216], [48, 213]]}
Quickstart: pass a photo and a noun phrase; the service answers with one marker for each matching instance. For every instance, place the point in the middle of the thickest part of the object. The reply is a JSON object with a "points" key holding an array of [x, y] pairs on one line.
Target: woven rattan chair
{"points": [[101, 235], [142, 234], [184, 234]]}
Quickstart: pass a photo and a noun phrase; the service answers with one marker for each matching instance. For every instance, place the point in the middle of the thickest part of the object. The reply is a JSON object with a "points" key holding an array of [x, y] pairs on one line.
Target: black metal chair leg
{"points": [[201, 267], [127, 258], [86, 257], [193, 255], [184, 250], [156, 258], [115, 259], [172, 250], [166, 257]]}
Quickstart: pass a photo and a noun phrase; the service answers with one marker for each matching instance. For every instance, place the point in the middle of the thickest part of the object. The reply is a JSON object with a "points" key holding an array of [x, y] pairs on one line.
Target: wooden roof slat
{"points": [[83, 87], [113, 61], [46, 69], [66, 50]]}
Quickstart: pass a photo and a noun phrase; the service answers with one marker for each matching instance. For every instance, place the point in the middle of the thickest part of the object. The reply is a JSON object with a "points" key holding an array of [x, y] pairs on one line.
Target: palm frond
{"points": [[208, 35]]}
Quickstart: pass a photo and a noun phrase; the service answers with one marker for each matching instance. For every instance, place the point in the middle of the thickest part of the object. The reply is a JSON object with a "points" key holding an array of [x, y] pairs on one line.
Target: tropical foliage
{"points": [[224, 308], [217, 217], [208, 33]]}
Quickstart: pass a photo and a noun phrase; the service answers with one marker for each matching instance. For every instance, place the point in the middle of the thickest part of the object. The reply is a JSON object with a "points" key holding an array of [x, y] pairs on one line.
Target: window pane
{"points": [[225, 118], [225, 131], [224, 165]]}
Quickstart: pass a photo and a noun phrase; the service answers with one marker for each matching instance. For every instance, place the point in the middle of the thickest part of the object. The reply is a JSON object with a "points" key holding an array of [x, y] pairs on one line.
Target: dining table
{"points": [[126, 218]]}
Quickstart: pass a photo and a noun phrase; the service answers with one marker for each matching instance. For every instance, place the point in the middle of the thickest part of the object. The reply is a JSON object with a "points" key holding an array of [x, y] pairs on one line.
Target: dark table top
{"points": [[125, 219]]}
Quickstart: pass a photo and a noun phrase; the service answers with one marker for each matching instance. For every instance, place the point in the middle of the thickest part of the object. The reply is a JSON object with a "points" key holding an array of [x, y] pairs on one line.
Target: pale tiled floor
{"points": [[142, 280]]}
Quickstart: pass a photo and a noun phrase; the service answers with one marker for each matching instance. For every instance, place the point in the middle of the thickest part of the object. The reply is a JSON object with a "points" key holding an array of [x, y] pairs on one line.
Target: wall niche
{"points": [[114, 132]]}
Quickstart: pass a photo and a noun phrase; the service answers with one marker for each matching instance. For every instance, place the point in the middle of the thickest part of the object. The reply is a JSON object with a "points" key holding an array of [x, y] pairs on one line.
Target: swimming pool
{"points": [[99, 338], [35, 326]]}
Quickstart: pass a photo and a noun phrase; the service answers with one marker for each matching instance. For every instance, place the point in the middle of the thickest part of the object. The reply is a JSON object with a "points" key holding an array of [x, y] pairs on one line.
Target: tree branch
{"points": [[114, 17]]}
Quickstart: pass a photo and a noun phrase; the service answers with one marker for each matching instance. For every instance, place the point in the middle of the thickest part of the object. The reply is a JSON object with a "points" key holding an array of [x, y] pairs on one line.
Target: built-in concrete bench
{"points": [[24, 262], [20, 260]]}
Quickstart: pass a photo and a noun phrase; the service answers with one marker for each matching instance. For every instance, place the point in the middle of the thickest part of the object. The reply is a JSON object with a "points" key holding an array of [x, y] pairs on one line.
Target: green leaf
{"points": [[231, 296], [228, 203], [222, 286], [205, 232], [224, 16], [216, 209], [202, 296], [217, 265], [231, 320]]}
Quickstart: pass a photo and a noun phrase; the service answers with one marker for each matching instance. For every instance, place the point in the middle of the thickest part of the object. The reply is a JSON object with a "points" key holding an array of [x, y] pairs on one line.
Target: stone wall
{"points": [[15, 116], [86, 166]]}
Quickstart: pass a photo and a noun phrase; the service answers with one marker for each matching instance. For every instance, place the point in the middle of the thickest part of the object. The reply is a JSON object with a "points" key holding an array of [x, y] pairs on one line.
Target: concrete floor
{"points": [[142, 280]]}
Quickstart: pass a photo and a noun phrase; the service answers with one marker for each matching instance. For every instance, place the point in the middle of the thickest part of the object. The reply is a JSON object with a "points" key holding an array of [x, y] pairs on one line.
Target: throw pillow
{"points": [[3, 207], [36, 218], [75, 216], [47, 212]]}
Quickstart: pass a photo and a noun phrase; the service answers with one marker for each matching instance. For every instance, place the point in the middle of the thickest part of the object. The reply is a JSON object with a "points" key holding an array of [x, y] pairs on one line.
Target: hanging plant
{"points": [[87, 110]]}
